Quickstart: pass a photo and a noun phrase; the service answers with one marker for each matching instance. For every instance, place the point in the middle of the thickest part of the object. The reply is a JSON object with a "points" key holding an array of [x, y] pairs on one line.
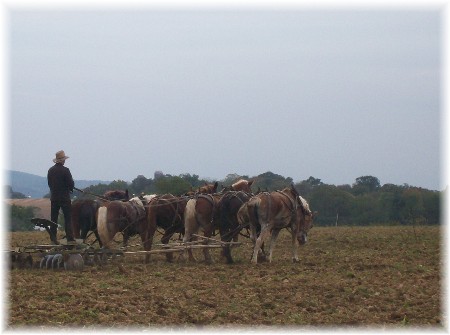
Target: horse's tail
{"points": [[102, 225], [75, 219], [190, 221], [242, 215], [253, 206], [152, 212]]}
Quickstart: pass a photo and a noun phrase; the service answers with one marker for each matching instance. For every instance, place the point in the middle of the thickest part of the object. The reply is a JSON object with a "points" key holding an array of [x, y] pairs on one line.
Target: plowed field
{"points": [[373, 277]]}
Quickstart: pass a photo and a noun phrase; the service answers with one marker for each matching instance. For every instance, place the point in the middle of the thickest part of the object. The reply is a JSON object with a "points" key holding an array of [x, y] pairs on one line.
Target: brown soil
{"points": [[370, 277]]}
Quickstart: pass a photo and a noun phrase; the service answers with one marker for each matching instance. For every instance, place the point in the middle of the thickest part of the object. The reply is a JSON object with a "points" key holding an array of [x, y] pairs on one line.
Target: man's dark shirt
{"points": [[60, 182]]}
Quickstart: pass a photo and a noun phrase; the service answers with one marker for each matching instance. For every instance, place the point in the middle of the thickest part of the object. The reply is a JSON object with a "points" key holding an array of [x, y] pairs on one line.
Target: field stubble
{"points": [[347, 276]]}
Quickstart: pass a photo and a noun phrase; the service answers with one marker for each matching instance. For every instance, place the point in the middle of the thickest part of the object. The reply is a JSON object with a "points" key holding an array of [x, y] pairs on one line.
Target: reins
{"points": [[95, 195]]}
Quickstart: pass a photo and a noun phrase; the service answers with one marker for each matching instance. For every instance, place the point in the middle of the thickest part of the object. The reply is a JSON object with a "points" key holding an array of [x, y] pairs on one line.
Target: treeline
{"points": [[178, 185], [365, 202]]}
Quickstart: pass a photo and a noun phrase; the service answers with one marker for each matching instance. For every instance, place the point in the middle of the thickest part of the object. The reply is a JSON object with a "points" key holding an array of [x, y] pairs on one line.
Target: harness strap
{"points": [[211, 200], [293, 203]]}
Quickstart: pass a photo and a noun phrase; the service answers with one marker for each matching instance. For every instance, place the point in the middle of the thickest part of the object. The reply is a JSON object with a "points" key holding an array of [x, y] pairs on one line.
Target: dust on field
{"points": [[347, 276]]}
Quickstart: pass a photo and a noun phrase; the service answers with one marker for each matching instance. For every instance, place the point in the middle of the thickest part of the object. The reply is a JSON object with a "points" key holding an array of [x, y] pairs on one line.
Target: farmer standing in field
{"points": [[61, 184]]}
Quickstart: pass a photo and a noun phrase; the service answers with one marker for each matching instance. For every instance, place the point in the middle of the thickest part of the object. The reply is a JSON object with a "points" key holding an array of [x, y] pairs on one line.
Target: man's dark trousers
{"points": [[66, 207]]}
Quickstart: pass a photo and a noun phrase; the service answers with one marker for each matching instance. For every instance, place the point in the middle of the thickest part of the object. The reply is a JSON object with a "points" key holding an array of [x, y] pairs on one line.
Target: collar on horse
{"points": [[294, 203], [212, 201], [175, 207], [208, 197], [235, 194]]}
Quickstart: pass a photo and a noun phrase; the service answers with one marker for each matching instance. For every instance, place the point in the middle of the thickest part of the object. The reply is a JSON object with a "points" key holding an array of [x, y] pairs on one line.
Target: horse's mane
{"points": [[137, 201], [239, 182], [305, 204], [148, 197], [208, 188]]}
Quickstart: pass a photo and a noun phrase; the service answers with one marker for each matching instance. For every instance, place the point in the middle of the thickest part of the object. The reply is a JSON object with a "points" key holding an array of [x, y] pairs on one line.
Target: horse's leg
{"points": [[188, 238], [126, 237], [85, 226], [225, 230], [97, 236], [253, 235], [294, 232], [147, 240], [75, 222], [273, 239], [83, 235], [255, 231], [149, 227], [208, 233], [103, 226], [165, 240], [190, 226], [265, 232]]}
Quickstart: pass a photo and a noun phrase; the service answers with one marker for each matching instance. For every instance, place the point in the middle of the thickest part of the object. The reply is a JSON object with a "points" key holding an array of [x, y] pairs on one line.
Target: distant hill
{"points": [[36, 186]]}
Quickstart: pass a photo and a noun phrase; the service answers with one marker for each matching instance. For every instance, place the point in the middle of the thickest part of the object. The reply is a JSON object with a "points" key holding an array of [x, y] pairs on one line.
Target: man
{"points": [[61, 184]]}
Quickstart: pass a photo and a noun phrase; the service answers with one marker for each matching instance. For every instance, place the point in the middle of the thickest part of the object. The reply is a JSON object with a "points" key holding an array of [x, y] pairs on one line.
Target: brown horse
{"points": [[208, 188], [166, 212], [240, 185], [226, 214], [128, 217], [84, 218], [116, 195], [84, 213], [274, 211], [199, 213]]}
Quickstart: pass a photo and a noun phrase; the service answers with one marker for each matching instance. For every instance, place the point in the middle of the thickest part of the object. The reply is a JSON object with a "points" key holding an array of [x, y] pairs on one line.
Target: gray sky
{"points": [[333, 94]]}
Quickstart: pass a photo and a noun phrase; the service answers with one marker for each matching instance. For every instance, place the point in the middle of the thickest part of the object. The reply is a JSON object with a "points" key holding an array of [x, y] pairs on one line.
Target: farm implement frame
{"points": [[22, 256]]}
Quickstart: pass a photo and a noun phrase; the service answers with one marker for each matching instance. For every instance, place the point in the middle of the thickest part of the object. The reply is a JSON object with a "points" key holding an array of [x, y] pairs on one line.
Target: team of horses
{"points": [[229, 211]]}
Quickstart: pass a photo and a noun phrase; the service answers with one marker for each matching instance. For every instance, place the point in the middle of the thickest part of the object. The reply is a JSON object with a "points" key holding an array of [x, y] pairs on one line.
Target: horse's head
{"points": [[306, 218], [209, 188], [189, 193], [243, 185]]}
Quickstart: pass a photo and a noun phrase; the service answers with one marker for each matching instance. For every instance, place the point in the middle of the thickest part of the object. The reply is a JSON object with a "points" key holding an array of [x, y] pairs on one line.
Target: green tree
{"points": [[390, 198], [367, 210], [192, 180], [306, 186], [413, 210], [173, 185], [271, 181], [142, 185], [20, 217], [331, 203], [432, 207], [366, 184]]}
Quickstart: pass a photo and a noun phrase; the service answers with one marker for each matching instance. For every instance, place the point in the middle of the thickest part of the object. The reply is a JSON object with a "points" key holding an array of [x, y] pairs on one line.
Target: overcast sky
{"points": [[333, 94]]}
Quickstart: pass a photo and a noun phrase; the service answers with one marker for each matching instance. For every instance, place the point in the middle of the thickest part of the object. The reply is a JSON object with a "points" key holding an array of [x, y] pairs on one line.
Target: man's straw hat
{"points": [[60, 157]]}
